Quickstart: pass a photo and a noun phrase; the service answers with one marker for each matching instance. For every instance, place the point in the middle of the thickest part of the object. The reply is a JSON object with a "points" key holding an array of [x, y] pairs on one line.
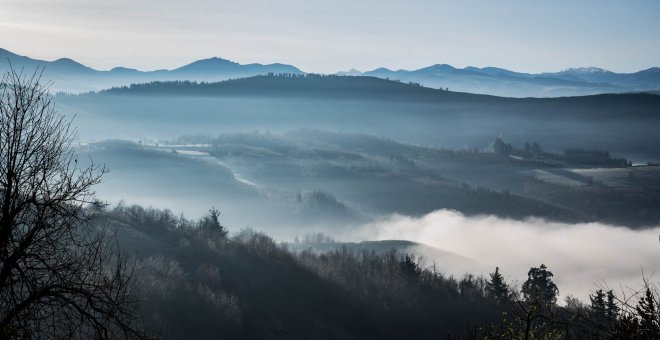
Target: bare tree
{"points": [[59, 277]]}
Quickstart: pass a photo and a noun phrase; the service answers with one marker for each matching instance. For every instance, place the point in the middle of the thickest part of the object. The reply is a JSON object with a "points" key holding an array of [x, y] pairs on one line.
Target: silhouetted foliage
{"points": [[58, 276], [211, 222], [598, 308], [647, 309], [611, 308], [497, 288], [539, 289], [247, 286], [409, 268]]}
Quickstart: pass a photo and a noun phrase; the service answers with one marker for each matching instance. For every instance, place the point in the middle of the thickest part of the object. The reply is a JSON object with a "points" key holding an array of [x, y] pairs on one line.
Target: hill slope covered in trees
{"points": [[195, 280], [623, 124]]}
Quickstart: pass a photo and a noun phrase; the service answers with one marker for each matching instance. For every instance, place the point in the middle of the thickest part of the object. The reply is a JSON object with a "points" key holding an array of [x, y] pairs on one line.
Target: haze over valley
{"points": [[331, 153], [377, 199]]}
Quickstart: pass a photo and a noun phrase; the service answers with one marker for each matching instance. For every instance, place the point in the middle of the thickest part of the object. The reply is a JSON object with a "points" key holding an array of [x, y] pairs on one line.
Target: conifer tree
{"points": [[409, 268], [611, 308], [648, 315], [496, 287], [598, 308]]}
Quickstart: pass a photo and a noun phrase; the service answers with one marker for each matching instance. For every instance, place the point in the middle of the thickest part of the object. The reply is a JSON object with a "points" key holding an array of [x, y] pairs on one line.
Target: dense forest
{"points": [[195, 279]]}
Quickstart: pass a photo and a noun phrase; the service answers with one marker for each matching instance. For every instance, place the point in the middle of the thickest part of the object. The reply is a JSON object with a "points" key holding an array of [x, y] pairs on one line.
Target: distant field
{"points": [[631, 178], [557, 177], [635, 178]]}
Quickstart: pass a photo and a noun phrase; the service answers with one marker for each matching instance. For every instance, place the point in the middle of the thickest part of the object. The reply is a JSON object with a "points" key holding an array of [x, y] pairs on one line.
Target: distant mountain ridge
{"points": [[373, 89], [503, 82], [71, 76]]}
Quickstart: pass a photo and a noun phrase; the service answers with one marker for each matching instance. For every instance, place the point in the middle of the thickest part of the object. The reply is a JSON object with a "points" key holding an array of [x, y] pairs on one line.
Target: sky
{"points": [[326, 36]]}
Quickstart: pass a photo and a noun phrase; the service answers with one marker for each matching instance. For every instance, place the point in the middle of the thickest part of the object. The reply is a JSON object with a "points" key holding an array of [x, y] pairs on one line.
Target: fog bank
{"points": [[581, 256]]}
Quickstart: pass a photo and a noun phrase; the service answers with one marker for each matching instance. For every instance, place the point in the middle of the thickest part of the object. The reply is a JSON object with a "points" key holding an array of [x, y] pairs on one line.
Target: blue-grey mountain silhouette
{"points": [[71, 76]]}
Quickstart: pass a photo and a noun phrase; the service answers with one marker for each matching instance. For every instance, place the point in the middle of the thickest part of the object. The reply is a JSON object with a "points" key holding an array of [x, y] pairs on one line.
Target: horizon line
{"points": [[350, 68]]}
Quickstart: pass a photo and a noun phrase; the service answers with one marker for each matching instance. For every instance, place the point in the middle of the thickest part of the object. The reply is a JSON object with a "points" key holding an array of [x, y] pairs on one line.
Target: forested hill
{"points": [[369, 88], [624, 124], [292, 85]]}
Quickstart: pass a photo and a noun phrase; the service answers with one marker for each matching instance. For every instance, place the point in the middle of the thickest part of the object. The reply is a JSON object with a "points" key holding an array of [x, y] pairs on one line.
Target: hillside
{"points": [[193, 282], [310, 180], [624, 124], [371, 88]]}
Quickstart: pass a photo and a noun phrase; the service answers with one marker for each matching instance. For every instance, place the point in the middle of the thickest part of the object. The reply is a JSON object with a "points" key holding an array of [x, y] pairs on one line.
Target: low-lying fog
{"points": [[583, 257], [255, 186]]}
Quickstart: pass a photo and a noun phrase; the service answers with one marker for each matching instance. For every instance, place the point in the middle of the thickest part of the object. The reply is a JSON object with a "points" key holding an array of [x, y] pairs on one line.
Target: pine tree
{"points": [[598, 308], [409, 268], [496, 287], [611, 308], [648, 315], [211, 222]]}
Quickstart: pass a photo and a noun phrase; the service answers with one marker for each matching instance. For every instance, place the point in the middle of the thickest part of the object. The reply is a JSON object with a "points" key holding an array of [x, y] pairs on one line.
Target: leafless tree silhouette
{"points": [[59, 275]]}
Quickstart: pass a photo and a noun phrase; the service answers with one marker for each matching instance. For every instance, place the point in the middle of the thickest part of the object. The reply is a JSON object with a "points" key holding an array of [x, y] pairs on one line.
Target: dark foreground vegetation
{"points": [[196, 281]]}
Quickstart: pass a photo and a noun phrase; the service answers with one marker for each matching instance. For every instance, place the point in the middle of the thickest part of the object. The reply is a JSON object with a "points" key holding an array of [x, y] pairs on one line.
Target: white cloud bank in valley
{"points": [[581, 256]]}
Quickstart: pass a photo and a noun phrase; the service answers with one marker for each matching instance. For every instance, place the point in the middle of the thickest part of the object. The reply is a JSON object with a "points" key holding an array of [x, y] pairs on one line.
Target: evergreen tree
{"points": [[496, 287], [598, 307], [648, 315], [409, 268], [611, 308], [626, 327], [212, 222]]}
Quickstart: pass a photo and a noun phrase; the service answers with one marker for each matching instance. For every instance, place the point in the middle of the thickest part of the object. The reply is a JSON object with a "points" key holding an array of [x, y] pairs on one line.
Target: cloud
{"points": [[581, 256]]}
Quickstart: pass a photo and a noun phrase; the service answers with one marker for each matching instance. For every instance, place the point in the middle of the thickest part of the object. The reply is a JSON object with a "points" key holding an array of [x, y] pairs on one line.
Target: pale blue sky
{"points": [[332, 35]]}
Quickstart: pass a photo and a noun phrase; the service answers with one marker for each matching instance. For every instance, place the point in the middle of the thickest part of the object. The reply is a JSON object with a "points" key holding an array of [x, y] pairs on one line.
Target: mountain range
{"points": [[502, 82], [70, 76]]}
